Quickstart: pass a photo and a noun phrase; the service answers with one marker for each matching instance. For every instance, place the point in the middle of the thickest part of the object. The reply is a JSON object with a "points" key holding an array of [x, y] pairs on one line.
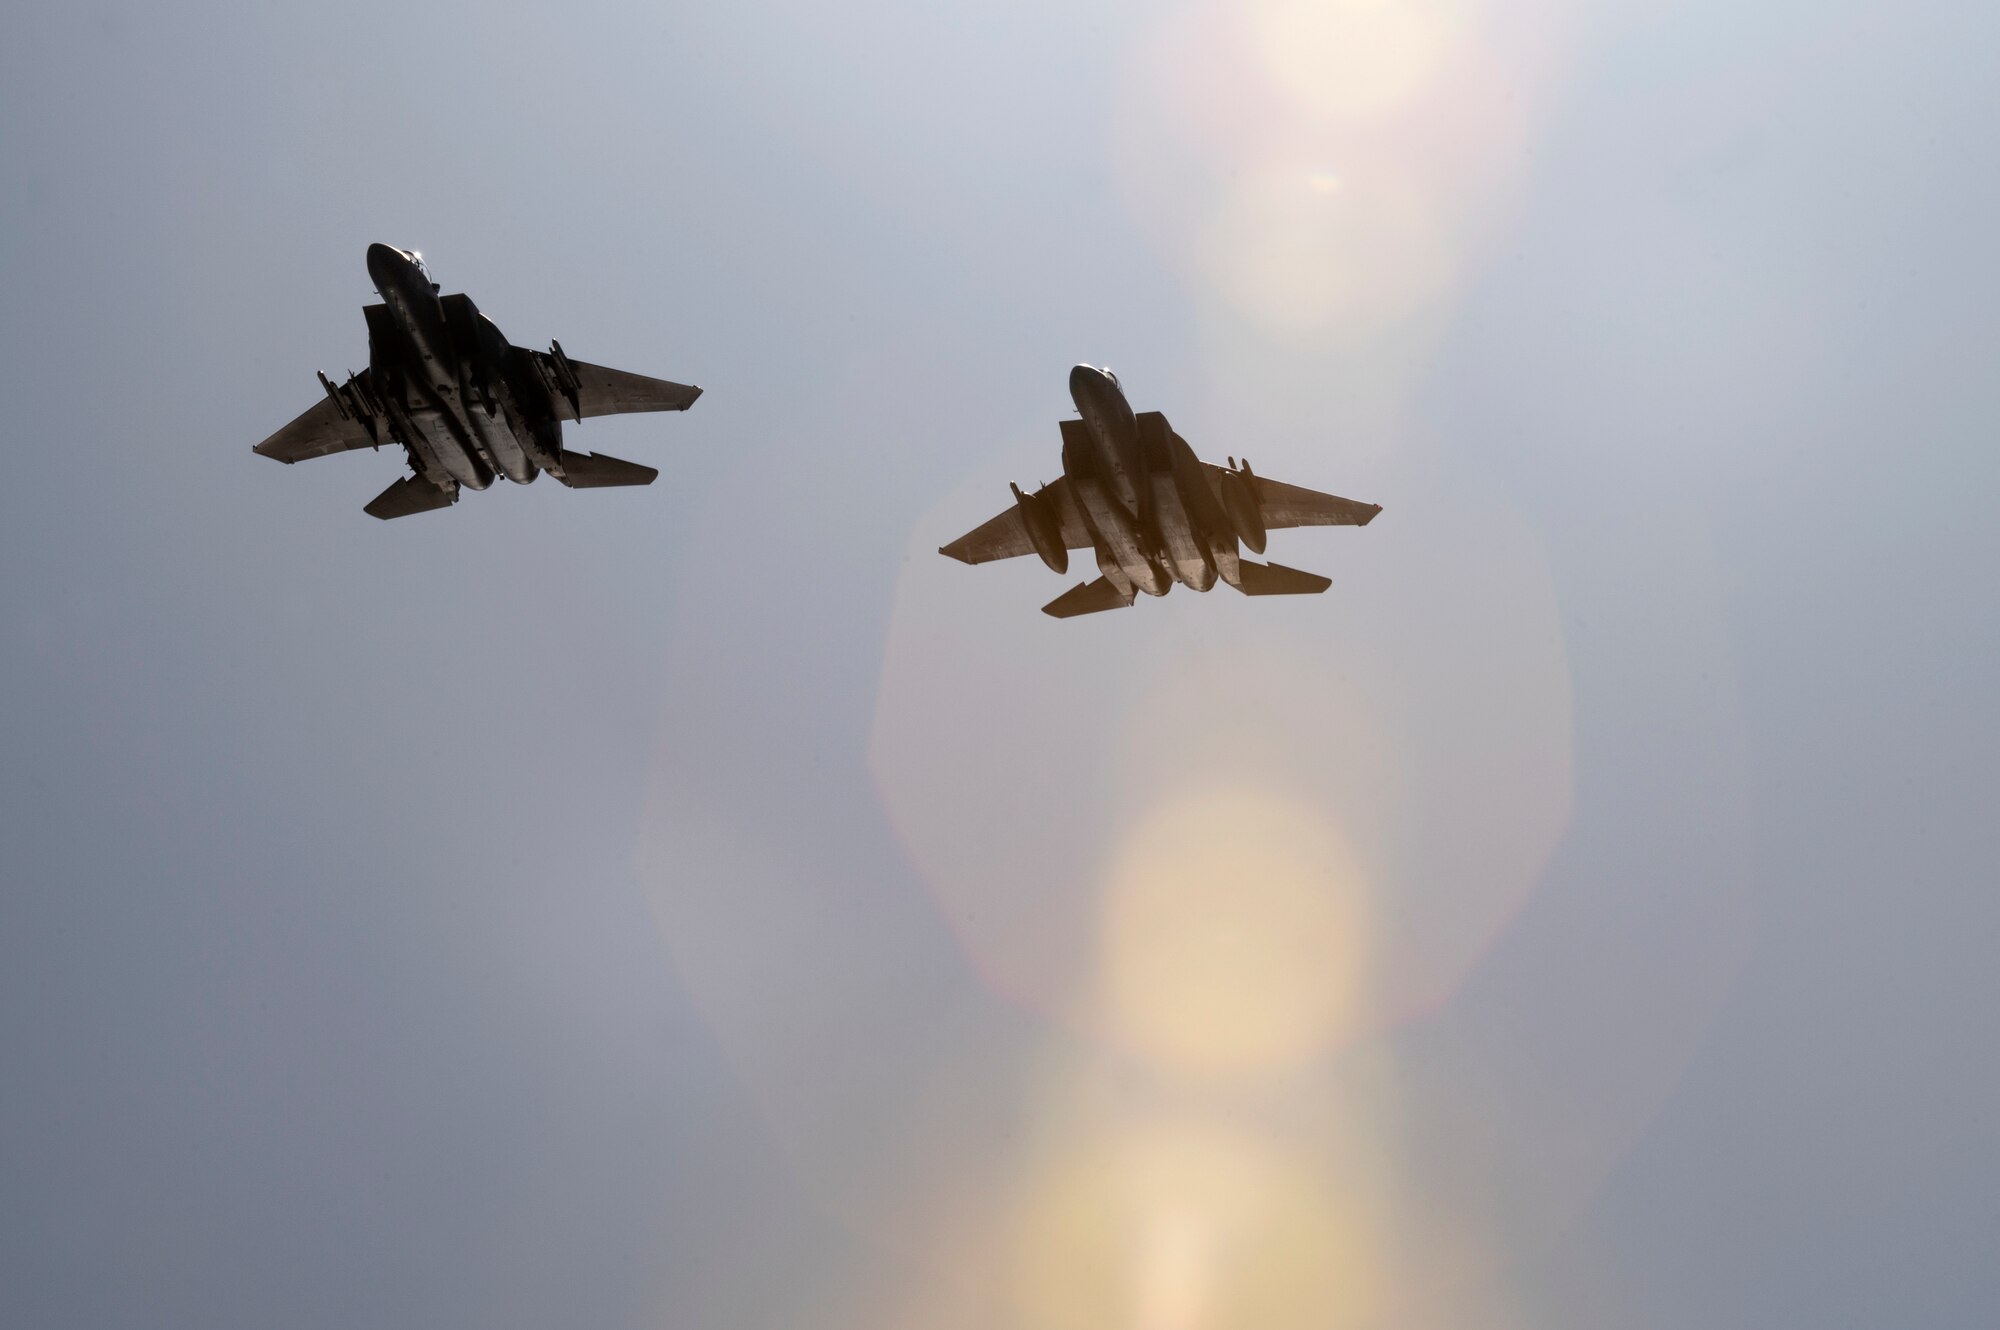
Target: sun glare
{"points": [[1234, 936], [1188, 1226], [1357, 59], [1230, 105]]}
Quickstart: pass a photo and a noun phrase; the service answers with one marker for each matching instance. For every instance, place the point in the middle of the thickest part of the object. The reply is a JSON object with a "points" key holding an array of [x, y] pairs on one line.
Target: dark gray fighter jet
{"points": [[445, 385], [1133, 492]]}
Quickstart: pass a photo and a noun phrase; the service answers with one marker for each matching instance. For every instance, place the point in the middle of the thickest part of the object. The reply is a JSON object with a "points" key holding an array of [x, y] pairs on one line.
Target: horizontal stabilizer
{"points": [[411, 494], [1274, 579], [590, 471], [1088, 598]]}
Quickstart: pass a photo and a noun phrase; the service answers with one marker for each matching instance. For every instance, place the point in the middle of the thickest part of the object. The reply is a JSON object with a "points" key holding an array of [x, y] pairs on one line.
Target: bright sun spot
{"points": [[1175, 1226], [1235, 936]]}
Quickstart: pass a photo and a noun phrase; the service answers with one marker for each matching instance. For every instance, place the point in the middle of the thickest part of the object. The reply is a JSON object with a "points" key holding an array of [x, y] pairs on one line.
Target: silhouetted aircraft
{"points": [[445, 385], [1133, 492]]}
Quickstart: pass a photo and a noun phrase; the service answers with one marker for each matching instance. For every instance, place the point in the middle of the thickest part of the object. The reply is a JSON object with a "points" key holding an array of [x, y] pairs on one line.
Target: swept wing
{"points": [[1285, 505], [1006, 536], [579, 390], [328, 426], [1289, 505]]}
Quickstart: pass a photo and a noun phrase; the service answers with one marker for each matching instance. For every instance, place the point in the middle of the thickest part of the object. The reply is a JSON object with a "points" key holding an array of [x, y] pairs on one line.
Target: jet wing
{"points": [[579, 390], [1006, 537], [326, 427], [1285, 505]]}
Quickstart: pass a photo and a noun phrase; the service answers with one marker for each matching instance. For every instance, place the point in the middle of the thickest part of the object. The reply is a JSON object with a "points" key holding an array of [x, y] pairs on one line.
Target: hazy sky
{"points": [[705, 907]]}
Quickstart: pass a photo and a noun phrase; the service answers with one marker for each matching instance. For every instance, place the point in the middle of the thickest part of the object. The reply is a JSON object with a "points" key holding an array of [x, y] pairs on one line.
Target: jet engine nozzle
{"points": [[1038, 515], [1239, 500]]}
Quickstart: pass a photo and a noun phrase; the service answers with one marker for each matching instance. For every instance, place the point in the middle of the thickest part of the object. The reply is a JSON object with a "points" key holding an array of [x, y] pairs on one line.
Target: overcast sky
{"points": [[705, 907]]}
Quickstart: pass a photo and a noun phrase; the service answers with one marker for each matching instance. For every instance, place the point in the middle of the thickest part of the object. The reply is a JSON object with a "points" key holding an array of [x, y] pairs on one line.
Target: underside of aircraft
{"points": [[1194, 518]]}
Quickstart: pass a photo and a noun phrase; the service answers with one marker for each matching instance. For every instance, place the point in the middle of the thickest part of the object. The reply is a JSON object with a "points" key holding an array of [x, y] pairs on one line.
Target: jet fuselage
{"points": [[1115, 431], [1152, 518], [450, 384], [1134, 494], [463, 402]]}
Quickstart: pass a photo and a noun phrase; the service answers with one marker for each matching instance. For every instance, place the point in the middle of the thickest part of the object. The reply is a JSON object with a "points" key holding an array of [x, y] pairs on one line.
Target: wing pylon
{"points": [[579, 390], [1282, 506], [349, 417], [1007, 537]]}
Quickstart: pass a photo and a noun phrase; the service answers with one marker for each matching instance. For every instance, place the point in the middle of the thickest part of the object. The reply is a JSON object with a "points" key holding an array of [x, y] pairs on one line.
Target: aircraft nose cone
{"points": [[384, 262], [1097, 387]]}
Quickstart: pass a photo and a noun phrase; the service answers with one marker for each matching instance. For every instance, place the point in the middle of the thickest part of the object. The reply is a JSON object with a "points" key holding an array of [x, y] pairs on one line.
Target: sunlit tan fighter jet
{"points": [[445, 385], [1133, 492]]}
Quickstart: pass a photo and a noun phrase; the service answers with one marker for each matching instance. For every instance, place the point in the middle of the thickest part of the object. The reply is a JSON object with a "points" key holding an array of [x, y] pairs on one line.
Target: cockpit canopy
{"points": [[1109, 374], [417, 260]]}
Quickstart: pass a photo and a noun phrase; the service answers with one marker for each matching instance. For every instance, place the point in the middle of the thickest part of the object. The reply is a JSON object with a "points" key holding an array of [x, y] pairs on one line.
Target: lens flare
{"points": [[1297, 260], [1234, 936], [1425, 104], [1186, 1226], [1358, 59]]}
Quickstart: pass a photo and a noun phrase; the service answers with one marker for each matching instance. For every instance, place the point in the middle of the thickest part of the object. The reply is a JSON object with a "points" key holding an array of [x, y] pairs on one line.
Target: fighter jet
{"points": [[1133, 492], [464, 404]]}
